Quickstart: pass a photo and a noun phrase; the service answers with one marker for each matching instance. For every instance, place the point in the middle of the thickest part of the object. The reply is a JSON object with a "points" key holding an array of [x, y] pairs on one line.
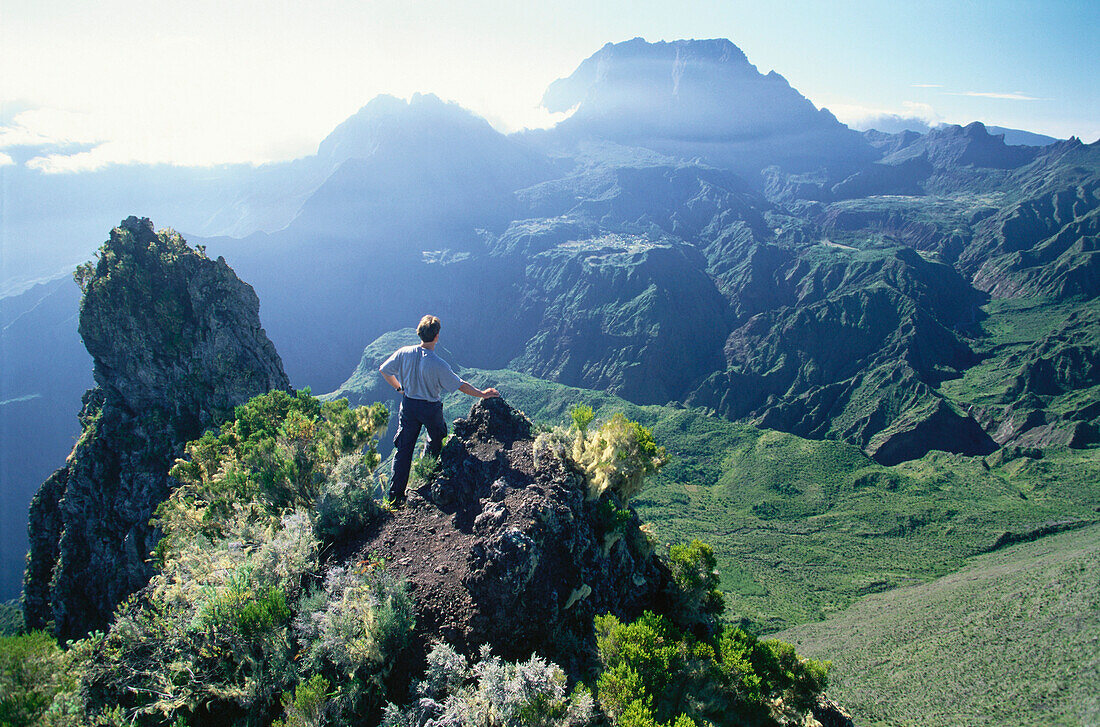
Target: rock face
{"points": [[177, 343], [505, 547]]}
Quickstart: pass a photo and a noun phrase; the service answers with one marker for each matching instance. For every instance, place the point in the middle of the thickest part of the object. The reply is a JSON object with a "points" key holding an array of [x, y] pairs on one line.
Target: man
{"points": [[422, 377]]}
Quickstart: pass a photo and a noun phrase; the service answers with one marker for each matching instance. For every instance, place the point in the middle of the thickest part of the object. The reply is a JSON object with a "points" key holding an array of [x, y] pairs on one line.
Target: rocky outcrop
{"points": [[505, 547], [177, 344]]}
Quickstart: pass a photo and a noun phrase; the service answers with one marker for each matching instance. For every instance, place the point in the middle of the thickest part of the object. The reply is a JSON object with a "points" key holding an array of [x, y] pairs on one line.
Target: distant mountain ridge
{"points": [[695, 232]]}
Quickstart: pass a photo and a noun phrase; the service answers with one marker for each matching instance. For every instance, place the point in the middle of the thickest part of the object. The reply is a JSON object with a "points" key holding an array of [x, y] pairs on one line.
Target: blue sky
{"points": [[207, 82]]}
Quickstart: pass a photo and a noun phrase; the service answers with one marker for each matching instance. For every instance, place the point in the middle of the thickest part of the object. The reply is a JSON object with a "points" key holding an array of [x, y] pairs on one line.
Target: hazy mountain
{"points": [[699, 98], [638, 249]]}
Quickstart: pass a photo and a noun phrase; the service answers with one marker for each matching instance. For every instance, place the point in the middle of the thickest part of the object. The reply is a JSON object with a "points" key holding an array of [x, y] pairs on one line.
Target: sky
{"points": [[91, 82]]}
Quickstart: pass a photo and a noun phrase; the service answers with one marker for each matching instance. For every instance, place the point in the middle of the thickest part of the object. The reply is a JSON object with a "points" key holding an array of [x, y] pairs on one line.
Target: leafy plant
{"points": [[218, 631], [280, 451], [493, 693], [30, 666], [352, 630], [582, 416], [307, 705], [654, 674], [617, 456], [695, 573], [426, 469]]}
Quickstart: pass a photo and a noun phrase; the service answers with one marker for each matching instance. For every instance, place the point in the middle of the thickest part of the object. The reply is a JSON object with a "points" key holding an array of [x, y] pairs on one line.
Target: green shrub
{"points": [[582, 416], [426, 469], [353, 630], [347, 503], [617, 456], [30, 670], [215, 638], [278, 452], [695, 573], [656, 674], [307, 705], [244, 606]]}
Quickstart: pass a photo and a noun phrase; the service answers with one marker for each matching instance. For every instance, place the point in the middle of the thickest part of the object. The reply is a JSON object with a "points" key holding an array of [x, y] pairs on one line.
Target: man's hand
{"points": [[474, 391]]}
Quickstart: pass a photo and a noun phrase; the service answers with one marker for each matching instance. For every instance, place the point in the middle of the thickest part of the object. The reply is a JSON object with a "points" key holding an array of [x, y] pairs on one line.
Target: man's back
{"points": [[423, 374]]}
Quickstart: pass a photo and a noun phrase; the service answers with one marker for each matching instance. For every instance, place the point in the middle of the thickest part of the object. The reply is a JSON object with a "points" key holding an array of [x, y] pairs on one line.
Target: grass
{"points": [[1014, 637]]}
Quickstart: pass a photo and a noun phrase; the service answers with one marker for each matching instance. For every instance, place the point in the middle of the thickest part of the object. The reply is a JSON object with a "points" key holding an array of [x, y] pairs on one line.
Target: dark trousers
{"points": [[415, 413]]}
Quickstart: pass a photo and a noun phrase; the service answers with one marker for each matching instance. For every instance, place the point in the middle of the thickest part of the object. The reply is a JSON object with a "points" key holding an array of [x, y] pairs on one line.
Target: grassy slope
{"points": [[804, 528], [1012, 327], [1013, 638]]}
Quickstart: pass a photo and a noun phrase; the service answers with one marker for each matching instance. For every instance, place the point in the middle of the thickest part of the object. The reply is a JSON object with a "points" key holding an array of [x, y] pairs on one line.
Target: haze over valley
{"points": [[873, 356]]}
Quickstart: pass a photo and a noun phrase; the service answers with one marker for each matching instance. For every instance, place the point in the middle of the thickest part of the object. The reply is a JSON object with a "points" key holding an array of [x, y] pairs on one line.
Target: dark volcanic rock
{"points": [[505, 547], [177, 343]]}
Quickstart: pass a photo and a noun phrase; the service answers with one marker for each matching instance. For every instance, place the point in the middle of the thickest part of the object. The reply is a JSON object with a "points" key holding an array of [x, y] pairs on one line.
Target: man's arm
{"points": [[390, 379], [487, 394]]}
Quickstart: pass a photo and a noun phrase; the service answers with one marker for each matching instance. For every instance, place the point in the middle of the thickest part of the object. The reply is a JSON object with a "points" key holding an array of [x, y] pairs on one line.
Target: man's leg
{"points": [[437, 428], [408, 431]]}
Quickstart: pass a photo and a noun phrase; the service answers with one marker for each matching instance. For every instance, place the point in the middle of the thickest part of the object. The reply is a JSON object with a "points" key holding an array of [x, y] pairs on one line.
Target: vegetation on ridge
{"points": [[246, 623]]}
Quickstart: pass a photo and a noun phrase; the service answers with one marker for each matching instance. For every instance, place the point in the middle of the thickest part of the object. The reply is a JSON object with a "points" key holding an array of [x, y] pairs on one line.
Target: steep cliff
{"points": [[177, 344]]}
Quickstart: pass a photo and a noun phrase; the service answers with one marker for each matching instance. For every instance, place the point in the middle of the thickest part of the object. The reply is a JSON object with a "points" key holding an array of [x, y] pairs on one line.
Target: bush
{"points": [[277, 453], [30, 667], [352, 630], [308, 705], [217, 636], [347, 503], [695, 573], [655, 674], [582, 416], [425, 469], [616, 456], [493, 693]]}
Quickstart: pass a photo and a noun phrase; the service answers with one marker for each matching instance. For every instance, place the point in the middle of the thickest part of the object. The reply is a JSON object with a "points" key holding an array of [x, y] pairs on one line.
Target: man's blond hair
{"points": [[428, 328]]}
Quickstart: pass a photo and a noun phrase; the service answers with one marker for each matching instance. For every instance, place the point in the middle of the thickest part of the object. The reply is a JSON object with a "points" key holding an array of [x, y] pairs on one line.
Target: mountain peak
{"points": [[385, 119], [699, 98], [636, 61]]}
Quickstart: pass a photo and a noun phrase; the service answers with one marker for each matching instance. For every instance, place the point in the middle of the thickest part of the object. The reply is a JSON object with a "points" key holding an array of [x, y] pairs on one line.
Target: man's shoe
{"points": [[393, 503]]}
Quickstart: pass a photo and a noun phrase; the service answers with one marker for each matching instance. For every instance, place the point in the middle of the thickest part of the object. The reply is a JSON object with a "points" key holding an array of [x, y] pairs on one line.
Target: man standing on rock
{"points": [[421, 376]]}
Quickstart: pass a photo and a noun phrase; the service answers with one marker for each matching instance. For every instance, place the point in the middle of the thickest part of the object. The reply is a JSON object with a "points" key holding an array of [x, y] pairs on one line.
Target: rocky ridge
{"points": [[505, 547], [177, 343]]}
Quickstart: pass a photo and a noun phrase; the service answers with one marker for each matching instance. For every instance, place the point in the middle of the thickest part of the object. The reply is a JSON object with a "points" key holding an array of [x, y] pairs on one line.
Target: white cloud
{"points": [[512, 117], [912, 115], [1014, 96], [5, 160]]}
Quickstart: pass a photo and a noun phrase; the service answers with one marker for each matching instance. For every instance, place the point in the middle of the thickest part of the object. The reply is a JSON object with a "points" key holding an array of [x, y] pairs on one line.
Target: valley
{"points": [[874, 359]]}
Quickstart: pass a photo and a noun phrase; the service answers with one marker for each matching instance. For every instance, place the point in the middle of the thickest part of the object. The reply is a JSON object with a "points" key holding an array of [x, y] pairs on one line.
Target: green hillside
{"points": [[803, 528], [1014, 638]]}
